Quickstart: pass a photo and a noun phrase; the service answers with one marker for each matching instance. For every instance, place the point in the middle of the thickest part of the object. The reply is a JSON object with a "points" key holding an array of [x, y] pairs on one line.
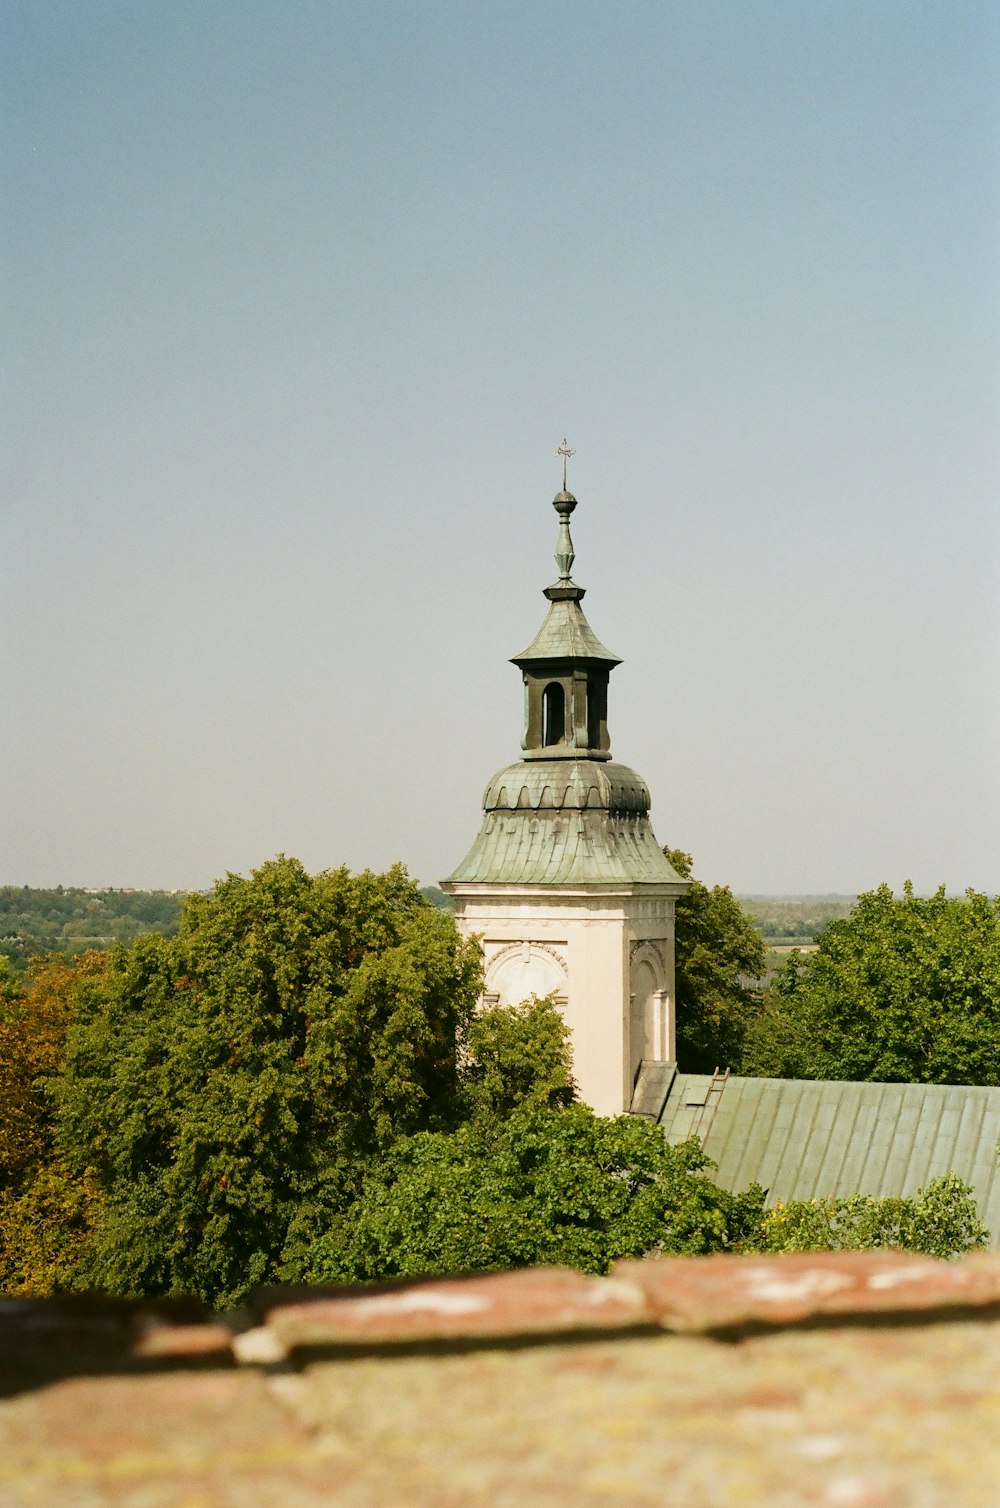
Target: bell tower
{"points": [[566, 883]]}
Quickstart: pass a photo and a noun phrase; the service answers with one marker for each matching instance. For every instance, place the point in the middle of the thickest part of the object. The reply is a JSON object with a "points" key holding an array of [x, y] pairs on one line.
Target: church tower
{"points": [[566, 883]]}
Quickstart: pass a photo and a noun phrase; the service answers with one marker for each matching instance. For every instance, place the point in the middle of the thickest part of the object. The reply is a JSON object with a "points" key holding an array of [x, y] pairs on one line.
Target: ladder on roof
{"points": [[701, 1121]]}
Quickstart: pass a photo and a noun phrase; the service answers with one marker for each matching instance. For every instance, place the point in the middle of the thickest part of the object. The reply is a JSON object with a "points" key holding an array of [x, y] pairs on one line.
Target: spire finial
{"points": [[564, 502], [564, 451]]}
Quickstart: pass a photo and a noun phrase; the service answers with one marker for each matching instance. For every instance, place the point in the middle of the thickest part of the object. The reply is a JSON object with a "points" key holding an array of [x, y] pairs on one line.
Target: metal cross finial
{"points": [[564, 451]]}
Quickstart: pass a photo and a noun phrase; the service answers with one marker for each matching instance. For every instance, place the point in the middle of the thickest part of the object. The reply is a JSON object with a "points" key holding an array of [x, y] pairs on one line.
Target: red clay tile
{"points": [[95, 1325], [547, 1300], [192, 1344], [719, 1292]]}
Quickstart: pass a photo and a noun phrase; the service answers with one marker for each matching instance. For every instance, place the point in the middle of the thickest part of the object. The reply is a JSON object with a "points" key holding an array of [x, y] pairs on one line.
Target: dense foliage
{"points": [[907, 989], [719, 961], [68, 921], [298, 1085], [228, 1085], [515, 1055], [46, 1210], [940, 1220], [546, 1185]]}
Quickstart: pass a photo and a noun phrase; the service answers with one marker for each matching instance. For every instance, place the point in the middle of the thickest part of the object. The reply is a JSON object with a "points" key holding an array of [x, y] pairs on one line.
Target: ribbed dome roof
{"points": [[562, 784], [562, 822]]}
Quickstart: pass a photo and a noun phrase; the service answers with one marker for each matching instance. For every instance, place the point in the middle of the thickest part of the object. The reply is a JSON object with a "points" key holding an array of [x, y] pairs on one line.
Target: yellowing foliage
{"points": [[45, 1211]]}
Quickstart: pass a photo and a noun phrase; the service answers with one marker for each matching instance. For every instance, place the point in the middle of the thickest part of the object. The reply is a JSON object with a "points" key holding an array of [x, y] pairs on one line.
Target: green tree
{"points": [[546, 1186], [230, 1085], [514, 1054], [719, 959], [36, 923], [941, 1220], [46, 1209], [906, 989], [297, 1085]]}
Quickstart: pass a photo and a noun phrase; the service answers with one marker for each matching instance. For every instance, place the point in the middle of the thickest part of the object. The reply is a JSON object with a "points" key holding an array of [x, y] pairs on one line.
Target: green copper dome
{"points": [[556, 823], [584, 785]]}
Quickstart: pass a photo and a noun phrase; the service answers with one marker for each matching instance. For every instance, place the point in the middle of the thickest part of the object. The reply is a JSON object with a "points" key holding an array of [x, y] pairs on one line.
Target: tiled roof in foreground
{"points": [[860, 1378], [805, 1138]]}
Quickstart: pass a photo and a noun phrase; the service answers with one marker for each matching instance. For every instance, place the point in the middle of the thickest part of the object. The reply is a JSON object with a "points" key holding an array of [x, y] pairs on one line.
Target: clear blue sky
{"points": [[300, 298]]}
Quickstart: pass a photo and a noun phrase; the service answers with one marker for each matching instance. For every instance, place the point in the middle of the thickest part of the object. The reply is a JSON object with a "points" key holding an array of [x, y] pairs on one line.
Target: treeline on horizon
{"points": [[795, 918], [70, 920]]}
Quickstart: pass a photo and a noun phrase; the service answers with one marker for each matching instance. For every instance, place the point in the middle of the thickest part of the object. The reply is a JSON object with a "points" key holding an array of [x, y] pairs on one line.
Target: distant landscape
{"points": [[791, 920], [70, 920]]}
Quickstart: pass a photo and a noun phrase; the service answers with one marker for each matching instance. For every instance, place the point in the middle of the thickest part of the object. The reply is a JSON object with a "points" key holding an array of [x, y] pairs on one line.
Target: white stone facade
{"points": [[605, 952]]}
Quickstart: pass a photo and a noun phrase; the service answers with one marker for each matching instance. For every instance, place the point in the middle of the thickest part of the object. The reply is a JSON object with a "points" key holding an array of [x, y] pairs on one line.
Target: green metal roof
{"points": [[569, 784], [552, 847], [566, 822], [565, 635], [806, 1138]]}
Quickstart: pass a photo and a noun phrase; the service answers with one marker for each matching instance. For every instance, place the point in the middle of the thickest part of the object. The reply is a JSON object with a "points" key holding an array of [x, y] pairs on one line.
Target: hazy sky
{"points": [[301, 297]]}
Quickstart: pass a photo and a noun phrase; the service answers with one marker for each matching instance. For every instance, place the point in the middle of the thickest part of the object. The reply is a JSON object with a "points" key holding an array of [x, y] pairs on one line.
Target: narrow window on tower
{"points": [[597, 710], [554, 714]]}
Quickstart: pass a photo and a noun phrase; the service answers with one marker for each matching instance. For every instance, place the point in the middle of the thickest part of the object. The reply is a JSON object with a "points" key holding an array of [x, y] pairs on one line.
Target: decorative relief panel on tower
{"points": [[652, 953], [526, 951], [520, 970]]}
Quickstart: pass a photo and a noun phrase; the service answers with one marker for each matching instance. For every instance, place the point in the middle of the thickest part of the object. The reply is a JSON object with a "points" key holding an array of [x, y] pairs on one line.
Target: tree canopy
{"points": [[34, 1018], [66, 920], [46, 1209], [547, 1185], [719, 960], [515, 1054], [228, 1084], [941, 1221], [906, 989]]}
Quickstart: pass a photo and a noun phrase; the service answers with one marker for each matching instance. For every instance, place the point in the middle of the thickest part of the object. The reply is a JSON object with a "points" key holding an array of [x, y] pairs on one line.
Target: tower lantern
{"points": [[565, 668]]}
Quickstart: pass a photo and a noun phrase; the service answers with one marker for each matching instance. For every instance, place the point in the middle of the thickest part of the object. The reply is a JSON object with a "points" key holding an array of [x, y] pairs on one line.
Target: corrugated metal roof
{"points": [[804, 1138]]}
